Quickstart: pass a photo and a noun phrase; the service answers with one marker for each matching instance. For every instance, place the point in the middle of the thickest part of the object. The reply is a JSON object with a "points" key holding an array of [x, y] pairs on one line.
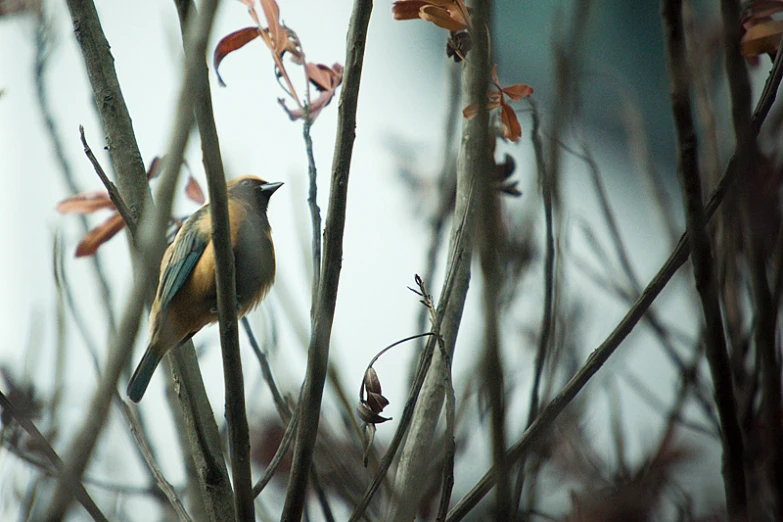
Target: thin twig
{"points": [[282, 406], [548, 314], [151, 240], [114, 194], [312, 201], [43, 47], [318, 352], [451, 443], [602, 354], [40, 442], [141, 442], [282, 450]]}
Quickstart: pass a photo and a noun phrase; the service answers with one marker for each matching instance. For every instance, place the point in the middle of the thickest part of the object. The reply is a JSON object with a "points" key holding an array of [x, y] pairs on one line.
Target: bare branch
{"points": [[318, 353]]}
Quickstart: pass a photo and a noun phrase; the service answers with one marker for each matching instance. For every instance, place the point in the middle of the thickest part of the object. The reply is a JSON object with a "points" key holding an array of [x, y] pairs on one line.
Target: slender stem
{"points": [[151, 242], [114, 194], [318, 353], [702, 260], [43, 445], [315, 211]]}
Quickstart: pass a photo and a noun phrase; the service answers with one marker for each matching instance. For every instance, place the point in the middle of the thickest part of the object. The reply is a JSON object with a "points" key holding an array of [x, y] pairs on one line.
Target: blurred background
{"points": [[622, 121]]}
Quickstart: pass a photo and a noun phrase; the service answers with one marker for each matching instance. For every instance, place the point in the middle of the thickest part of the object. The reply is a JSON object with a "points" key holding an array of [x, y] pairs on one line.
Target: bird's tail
{"points": [[141, 377]]}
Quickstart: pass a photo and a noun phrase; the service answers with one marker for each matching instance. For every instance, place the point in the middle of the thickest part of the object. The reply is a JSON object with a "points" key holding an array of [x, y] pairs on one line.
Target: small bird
{"points": [[186, 299]]}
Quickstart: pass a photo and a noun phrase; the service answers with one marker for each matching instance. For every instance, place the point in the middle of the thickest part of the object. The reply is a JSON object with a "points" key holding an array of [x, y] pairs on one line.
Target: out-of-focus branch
{"points": [[414, 458], [602, 354], [40, 441], [236, 415], [701, 255], [43, 44], [489, 241], [150, 239], [318, 352], [143, 444], [120, 138]]}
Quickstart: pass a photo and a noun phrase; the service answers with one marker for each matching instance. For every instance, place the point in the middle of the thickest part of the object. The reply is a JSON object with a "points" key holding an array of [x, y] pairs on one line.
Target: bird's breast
{"points": [[254, 258]]}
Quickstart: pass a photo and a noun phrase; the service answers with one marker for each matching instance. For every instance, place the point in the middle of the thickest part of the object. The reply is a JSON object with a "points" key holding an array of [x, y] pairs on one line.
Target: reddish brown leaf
{"points": [[760, 10], [441, 17], [511, 128], [407, 9], [85, 203], [762, 37], [277, 33], [155, 167], [194, 192], [518, 91], [99, 235], [231, 43], [471, 111], [326, 80]]}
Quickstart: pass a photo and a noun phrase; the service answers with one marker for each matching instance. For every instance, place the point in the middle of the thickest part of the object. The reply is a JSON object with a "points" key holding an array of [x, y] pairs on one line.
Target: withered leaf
{"points": [[368, 416], [407, 9], [85, 203], [518, 91], [194, 192], [231, 43], [441, 17], [99, 235], [511, 129]]}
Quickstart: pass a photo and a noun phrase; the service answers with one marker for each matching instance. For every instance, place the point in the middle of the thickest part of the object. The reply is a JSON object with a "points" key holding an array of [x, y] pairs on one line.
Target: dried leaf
{"points": [[194, 192], [407, 9], [231, 43], [471, 111], [511, 129], [277, 33], [85, 203], [518, 91], [458, 45], [441, 17], [368, 416], [377, 402], [323, 77], [371, 381], [762, 38], [495, 76], [99, 235], [326, 80], [155, 168]]}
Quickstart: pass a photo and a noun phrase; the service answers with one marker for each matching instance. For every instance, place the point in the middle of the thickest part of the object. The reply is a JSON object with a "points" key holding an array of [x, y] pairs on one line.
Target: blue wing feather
{"points": [[187, 251]]}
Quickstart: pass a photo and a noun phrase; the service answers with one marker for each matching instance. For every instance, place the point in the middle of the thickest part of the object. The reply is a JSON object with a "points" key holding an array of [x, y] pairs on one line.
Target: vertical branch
{"points": [[547, 319], [602, 353], [150, 240], [489, 241], [233, 378], [120, 139], [414, 458], [315, 212], [42, 52], [765, 311], [703, 266], [318, 352]]}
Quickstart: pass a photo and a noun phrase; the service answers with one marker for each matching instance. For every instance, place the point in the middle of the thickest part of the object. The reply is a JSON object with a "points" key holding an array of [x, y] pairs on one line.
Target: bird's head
{"points": [[253, 190]]}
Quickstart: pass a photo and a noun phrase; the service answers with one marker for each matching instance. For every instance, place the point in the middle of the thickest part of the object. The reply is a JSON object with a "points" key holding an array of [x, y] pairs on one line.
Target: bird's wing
{"points": [[187, 249]]}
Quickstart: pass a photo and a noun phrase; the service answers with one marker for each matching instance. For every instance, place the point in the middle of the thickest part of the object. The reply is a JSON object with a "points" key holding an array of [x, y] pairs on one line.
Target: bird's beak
{"points": [[269, 188]]}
